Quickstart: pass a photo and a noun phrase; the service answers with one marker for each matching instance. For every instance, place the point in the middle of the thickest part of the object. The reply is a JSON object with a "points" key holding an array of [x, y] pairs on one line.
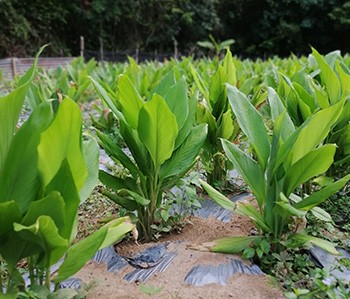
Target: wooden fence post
{"points": [[13, 67], [82, 46]]}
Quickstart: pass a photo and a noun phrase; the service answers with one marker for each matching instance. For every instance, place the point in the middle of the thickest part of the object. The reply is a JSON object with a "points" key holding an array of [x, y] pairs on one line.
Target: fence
{"points": [[11, 67]]}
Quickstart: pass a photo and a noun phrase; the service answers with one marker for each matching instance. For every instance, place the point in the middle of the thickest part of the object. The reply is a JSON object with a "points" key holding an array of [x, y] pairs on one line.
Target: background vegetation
{"points": [[260, 27]]}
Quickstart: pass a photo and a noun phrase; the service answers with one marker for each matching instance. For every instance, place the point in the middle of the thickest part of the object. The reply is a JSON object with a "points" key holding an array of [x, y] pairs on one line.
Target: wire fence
{"points": [[11, 67], [122, 56]]}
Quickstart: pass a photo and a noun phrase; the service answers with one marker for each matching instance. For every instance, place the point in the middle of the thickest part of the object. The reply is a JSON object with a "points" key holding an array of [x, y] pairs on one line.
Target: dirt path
{"points": [[170, 283]]}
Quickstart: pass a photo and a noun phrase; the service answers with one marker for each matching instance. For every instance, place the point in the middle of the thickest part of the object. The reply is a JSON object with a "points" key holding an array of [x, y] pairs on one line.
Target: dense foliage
{"points": [[260, 27]]}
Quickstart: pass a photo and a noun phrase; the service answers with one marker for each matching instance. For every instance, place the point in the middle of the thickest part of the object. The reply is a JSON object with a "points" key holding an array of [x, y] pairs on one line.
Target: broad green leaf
{"points": [[10, 108], [248, 168], [321, 96], [157, 129], [184, 156], [63, 182], [63, 141], [52, 205], [312, 164], [91, 153], [298, 240], [251, 123], [314, 132], [217, 92], [276, 104], [19, 179], [126, 202], [286, 208], [176, 98], [81, 252], [130, 100], [117, 229], [136, 147], [45, 234], [218, 197], [344, 79], [229, 67], [199, 82], [232, 244], [251, 212], [189, 123], [226, 127], [303, 108], [108, 99], [163, 86], [116, 183], [137, 197], [329, 78], [116, 153], [9, 213], [319, 196], [321, 214], [305, 97]]}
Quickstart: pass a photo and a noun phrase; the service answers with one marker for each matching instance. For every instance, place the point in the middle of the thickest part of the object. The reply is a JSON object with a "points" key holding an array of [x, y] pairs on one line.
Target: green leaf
{"points": [[251, 123], [232, 244], [19, 178], [137, 197], [199, 82], [319, 196], [52, 205], [321, 214], [297, 240], [63, 141], [189, 123], [217, 92], [130, 100], [126, 202], [251, 212], [157, 129], [63, 182], [10, 108], [329, 78], [182, 158], [315, 131], [91, 153], [312, 164], [116, 153], [81, 252], [45, 234], [116, 183], [248, 168], [286, 208], [229, 66], [218, 197], [106, 97], [9, 213], [226, 127], [176, 98], [136, 147]]}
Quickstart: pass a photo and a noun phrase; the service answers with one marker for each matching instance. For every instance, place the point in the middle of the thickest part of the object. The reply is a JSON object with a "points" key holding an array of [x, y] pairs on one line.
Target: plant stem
{"points": [[47, 275], [31, 271], [1, 272]]}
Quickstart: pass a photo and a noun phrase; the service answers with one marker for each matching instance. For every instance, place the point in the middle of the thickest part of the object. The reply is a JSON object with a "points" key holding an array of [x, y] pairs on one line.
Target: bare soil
{"points": [[170, 283]]}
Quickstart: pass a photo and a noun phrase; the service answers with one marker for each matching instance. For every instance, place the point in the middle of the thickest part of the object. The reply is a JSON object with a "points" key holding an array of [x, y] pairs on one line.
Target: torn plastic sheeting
{"points": [[211, 208], [205, 274], [71, 283], [108, 256], [329, 262], [144, 274], [151, 261], [149, 257]]}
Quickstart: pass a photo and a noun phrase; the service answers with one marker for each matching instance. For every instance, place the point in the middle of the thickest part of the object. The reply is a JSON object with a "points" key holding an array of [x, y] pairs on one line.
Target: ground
{"points": [[170, 283]]}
